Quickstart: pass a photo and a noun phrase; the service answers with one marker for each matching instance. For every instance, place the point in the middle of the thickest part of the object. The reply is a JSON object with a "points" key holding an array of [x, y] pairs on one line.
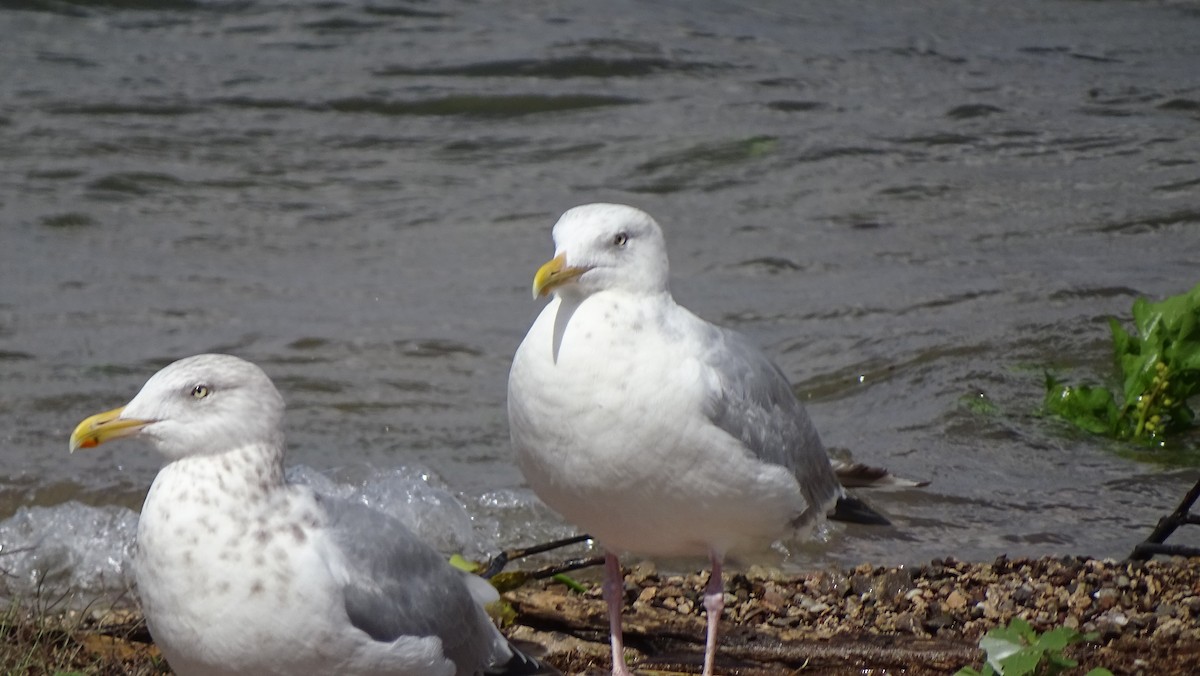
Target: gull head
{"points": [[600, 247], [202, 405]]}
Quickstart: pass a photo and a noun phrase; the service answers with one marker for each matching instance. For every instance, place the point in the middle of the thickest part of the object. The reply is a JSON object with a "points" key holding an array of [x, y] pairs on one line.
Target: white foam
{"points": [[515, 517], [411, 493], [70, 554], [82, 555]]}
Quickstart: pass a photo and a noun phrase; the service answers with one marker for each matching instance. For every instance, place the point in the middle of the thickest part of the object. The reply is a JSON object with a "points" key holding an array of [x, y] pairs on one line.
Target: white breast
{"points": [[607, 419], [223, 597]]}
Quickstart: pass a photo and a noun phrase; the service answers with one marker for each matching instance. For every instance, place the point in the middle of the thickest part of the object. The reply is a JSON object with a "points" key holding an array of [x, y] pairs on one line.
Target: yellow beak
{"points": [[554, 274], [104, 427]]}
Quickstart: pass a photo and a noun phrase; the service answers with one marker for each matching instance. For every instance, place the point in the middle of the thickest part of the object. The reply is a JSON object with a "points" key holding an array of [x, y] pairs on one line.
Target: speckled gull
{"points": [[656, 431], [241, 573]]}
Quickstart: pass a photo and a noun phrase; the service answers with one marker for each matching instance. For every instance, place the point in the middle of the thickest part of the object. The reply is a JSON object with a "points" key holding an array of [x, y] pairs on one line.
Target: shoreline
{"points": [[924, 619]]}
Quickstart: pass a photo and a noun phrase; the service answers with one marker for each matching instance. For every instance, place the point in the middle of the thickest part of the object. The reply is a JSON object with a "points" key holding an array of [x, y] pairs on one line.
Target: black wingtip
{"points": [[522, 665], [850, 509]]}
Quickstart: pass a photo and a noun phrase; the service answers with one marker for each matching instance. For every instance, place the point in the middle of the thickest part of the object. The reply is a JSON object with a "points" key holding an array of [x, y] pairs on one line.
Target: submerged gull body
{"points": [[658, 432], [241, 573]]}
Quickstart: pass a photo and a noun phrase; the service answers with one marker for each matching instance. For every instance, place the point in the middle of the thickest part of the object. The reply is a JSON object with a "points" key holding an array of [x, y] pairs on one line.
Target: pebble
{"points": [[949, 598]]}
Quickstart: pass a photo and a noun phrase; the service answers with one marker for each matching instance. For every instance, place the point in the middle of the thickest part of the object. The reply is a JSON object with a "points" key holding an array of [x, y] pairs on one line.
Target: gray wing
{"points": [[400, 586], [755, 404]]}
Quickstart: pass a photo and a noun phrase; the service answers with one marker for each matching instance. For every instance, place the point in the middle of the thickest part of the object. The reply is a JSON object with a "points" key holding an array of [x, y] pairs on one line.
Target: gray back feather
{"points": [[756, 405], [400, 586]]}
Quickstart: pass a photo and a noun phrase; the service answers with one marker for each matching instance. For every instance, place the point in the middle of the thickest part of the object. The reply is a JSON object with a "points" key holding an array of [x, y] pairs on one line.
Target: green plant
{"points": [[1018, 650], [1159, 371]]}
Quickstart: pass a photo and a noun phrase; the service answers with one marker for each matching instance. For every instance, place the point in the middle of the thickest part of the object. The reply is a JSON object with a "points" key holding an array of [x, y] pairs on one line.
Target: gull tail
{"points": [[850, 509]]}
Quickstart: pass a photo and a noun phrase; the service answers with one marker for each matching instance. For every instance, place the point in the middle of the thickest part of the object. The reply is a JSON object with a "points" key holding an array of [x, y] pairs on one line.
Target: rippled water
{"points": [[914, 208]]}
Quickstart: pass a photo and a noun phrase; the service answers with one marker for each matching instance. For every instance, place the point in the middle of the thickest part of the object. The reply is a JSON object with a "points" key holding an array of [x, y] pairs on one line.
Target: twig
{"points": [[1154, 544]]}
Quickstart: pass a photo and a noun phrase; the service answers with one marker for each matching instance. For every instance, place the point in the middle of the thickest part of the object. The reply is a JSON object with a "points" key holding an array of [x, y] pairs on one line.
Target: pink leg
{"points": [[614, 594], [714, 603]]}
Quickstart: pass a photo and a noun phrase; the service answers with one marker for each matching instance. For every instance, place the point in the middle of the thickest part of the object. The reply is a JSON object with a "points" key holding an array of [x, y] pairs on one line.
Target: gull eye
{"points": [[200, 391], [620, 239]]}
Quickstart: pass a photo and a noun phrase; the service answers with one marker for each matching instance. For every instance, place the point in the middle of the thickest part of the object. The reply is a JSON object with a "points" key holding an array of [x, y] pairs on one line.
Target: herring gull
{"points": [[656, 431], [241, 573]]}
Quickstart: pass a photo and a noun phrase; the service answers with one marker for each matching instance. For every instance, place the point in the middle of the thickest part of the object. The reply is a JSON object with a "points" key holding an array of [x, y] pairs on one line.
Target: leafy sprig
{"points": [[1018, 650], [1160, 370]]}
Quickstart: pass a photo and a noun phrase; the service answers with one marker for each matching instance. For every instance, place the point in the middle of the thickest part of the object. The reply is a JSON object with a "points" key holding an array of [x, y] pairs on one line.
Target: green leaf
{"points": [[1058, 662], [1022, 662], [464, 564], [1089, 408], [509, 580], [979, 404], [760, 145], [1022, 626], [570, 583], [1099, 671], [1018, 650], [1057, 638], [999, 645]]}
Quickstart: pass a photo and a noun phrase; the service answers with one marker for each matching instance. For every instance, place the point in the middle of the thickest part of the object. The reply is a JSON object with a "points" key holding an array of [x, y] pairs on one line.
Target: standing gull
{"points": [[241, 573], [653, 429]]}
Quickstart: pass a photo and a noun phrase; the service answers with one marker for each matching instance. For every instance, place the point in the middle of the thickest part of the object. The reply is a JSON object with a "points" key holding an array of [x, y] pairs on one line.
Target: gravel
{"points": [[921, 619]]}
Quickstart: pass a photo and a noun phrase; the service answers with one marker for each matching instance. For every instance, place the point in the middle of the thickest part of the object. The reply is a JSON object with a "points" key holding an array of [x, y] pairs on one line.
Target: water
{"points": [[915, 208]]}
